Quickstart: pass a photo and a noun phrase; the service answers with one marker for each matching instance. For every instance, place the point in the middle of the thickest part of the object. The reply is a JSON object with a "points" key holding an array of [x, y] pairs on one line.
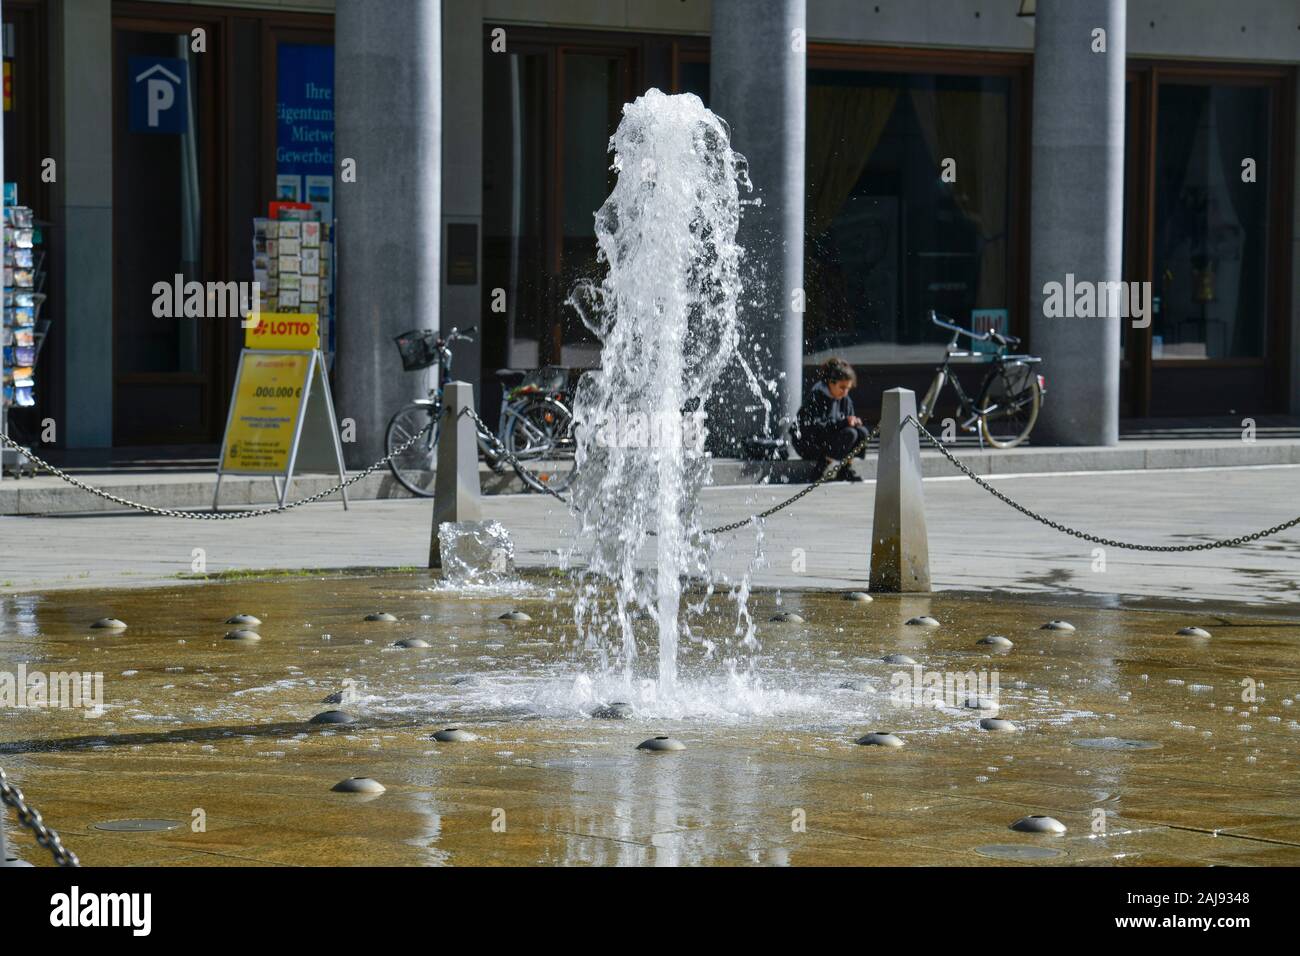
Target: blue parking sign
{"points": [[159, 94]]}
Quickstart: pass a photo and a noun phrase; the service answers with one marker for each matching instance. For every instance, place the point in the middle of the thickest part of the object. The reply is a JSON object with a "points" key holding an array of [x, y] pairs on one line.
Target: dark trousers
{"points": [[832, 443]]}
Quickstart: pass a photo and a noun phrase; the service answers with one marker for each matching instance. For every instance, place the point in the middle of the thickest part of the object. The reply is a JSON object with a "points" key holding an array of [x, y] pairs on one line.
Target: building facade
{"points": [[955, 155]]}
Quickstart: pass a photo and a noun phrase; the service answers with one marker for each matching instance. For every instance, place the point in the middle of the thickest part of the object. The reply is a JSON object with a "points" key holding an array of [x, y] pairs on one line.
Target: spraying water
{"points": [[665, 314]]}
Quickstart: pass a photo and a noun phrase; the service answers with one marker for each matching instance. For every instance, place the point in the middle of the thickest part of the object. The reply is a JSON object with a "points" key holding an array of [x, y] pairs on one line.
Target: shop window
{"points": [[907, 210]]}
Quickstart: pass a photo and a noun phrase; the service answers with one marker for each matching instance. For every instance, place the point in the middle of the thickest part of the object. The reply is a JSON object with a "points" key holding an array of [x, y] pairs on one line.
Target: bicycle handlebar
{"points": [[939, 321], [990, 335]]}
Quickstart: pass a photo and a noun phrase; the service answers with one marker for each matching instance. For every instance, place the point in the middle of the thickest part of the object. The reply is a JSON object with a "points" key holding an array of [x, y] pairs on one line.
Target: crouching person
{"points": [[827, 430]]}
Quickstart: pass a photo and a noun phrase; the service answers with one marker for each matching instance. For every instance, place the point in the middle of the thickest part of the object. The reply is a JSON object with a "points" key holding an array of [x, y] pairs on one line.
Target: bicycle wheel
{"points": [[413, 468], [1009, 405], [539, 433]]}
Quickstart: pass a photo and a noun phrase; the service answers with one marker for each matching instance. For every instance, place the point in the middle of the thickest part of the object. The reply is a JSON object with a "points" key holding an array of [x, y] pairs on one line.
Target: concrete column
{"points": [[1077, 211], [81, 130], [900, 546], [388, 119], [757, 84], [456, 491], [462, 170]]}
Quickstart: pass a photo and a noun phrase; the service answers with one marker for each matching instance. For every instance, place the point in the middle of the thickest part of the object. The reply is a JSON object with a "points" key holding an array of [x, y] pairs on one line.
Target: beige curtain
{"points": [[844, 125], [971, 128]]}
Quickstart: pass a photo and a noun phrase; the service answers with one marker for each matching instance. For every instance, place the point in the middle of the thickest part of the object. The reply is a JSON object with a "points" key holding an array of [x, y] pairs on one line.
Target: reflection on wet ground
{"points": [[1151, 747]]}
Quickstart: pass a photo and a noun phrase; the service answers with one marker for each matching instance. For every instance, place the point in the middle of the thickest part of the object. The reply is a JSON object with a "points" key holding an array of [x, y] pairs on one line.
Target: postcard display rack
{"points": [[23, 330], [293, 264]]}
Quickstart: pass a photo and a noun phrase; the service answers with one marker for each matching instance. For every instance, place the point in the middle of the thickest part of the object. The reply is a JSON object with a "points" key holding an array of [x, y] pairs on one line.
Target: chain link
{"points": [[30, 817], [499, 448], [1084, 535], [212, 515]]}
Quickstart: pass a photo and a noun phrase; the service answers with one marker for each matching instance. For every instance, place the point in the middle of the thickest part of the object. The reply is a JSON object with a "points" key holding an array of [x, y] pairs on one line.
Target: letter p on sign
{"points": [[161, 95]]}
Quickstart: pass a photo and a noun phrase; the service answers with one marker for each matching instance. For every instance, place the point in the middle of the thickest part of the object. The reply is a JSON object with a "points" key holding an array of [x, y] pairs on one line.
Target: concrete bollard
{"points": [[900, 550], [455, 485]]}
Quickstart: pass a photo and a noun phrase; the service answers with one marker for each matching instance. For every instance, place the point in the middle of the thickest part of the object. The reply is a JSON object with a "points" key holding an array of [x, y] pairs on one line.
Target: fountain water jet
{"points": [[665, 314]]}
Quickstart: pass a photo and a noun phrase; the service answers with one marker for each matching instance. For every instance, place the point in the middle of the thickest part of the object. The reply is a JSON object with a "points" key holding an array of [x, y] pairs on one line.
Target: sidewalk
{"points": [[193, 489], [977, 544]]}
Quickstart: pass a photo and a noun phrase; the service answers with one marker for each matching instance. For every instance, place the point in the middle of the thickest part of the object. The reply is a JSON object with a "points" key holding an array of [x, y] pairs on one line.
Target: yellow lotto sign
{"points": [[263, 425], [287, 331]]}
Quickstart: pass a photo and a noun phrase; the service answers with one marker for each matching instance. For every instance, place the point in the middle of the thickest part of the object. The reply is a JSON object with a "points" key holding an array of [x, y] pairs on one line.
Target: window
{"points": [[908, 209]]}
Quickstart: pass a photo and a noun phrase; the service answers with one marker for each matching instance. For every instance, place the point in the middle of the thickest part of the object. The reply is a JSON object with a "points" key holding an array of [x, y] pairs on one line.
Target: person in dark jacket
{"points": [[827, 430]]}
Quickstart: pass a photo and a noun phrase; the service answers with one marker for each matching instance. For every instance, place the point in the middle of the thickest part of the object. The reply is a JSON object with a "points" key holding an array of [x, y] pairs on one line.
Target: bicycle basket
{"points": [[418, 349], [549, 379]]}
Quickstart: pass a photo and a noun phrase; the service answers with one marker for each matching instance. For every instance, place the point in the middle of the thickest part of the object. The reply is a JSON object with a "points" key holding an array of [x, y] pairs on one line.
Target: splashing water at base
{"points": [[476, 554], [665, 314]]}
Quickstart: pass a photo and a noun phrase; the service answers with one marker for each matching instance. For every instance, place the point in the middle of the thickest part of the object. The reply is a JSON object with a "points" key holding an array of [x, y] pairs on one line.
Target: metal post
{"points": [[900, 549], [455, 483]]}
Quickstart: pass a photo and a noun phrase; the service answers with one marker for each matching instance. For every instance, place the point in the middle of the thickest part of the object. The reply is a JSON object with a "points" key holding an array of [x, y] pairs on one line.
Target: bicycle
{"points": [[535, 427], [1009, 398]]}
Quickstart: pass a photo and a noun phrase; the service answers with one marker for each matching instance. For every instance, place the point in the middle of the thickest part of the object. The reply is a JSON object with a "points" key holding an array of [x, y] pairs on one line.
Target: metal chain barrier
{"points": [[531, 480], [1084, 535], [212, 515], [501, 451], [830, 474], [30, 817]]}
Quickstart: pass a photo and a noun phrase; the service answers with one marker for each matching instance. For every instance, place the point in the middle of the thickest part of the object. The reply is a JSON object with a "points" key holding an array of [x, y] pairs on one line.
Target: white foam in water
{"points": [[567, 692], [734, 693], [478, 557], [476, 552], [665, 314]]}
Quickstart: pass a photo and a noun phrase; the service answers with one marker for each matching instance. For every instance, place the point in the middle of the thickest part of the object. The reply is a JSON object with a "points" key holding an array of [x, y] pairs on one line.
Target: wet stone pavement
{"points": [[1137, 739]]}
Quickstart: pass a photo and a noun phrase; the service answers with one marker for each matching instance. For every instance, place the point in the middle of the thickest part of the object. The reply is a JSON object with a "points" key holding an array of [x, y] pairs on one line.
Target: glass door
{"points": [[1207, 226], [164, 162], [549, 112], [1211, 223], [594, 85]]}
